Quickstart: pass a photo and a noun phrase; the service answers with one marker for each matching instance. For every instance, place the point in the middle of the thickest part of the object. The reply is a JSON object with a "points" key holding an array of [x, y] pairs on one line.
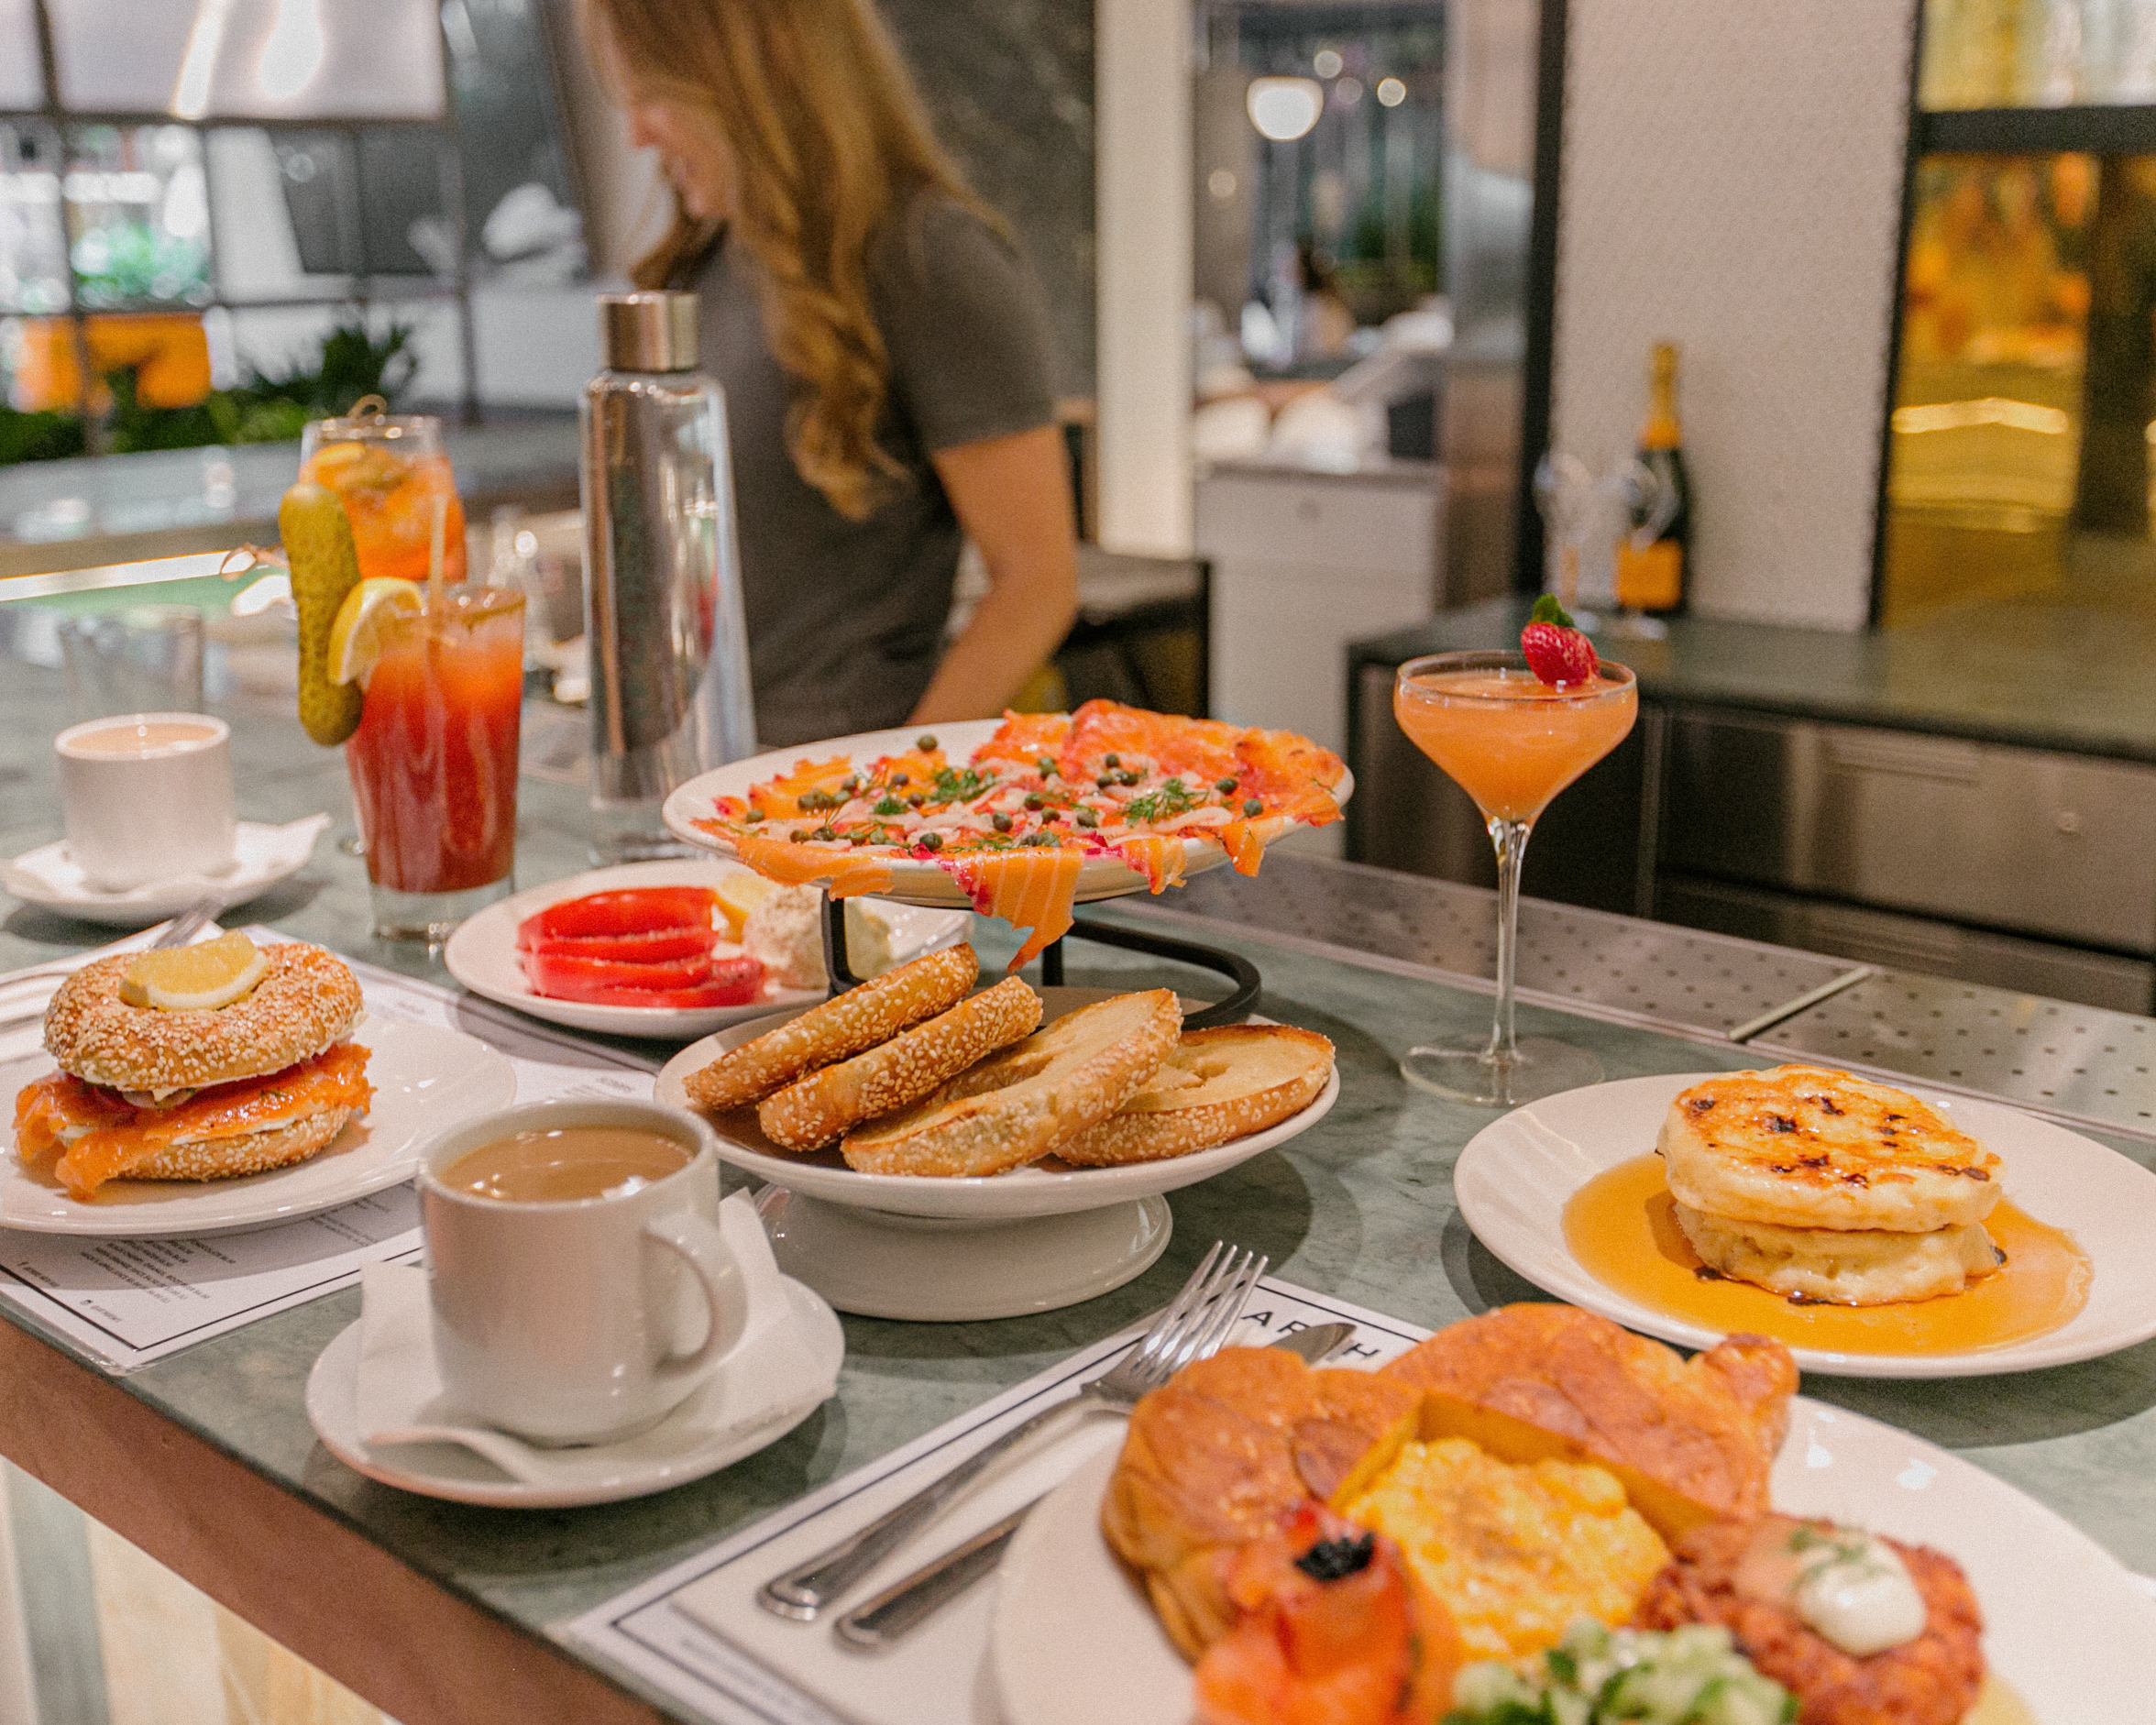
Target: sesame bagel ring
{"points": [[307, 1000], [814, 1110], [843, 1025]]}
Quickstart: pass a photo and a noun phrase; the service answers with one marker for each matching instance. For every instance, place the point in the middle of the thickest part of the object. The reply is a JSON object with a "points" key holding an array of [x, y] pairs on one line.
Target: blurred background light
{"points": [[1285, 108]]}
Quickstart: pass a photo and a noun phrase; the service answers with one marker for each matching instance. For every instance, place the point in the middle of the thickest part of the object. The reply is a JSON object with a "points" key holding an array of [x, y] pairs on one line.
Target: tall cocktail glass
{"points": [[434, 762], [391, 474], [1512, 742]]}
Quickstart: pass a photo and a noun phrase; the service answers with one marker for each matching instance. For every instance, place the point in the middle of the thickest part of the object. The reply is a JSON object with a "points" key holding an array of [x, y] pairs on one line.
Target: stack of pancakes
{"points": [[1821, 1186]]}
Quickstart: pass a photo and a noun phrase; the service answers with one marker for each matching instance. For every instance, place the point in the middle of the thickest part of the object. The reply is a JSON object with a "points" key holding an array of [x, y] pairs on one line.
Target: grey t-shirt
{"points": [[846, 617]]}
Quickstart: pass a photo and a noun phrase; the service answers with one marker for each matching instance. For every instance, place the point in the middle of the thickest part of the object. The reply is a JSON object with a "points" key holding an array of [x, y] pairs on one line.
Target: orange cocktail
{"points": [[434, 762], [1508, 738], [1511, 741], [395, 481]]}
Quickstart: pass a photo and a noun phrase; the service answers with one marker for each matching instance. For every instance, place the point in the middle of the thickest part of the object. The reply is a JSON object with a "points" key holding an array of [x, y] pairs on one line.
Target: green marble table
{"points": [[1360, 1206]]}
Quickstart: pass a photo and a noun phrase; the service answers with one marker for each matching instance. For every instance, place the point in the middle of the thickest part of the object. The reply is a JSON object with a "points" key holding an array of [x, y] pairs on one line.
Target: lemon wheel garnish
{"points": [[739, 894], [186, 978], [362, 623]]}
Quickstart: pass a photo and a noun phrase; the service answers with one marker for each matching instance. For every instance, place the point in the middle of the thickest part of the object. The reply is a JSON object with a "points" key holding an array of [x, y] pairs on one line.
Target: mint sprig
{"points": [[1548, 610]]}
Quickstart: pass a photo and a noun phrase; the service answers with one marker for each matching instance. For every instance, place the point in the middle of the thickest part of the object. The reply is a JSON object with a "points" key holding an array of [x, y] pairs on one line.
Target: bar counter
{"points": [[439, 1612]]}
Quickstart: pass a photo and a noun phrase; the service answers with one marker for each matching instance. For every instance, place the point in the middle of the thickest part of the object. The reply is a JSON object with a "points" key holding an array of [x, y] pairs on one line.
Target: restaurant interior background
{"points": [[1329, 281]]}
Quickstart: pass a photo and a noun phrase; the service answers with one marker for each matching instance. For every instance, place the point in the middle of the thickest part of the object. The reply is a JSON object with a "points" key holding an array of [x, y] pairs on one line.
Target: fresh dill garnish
{"points": [[1172, 798], [961, 784]]}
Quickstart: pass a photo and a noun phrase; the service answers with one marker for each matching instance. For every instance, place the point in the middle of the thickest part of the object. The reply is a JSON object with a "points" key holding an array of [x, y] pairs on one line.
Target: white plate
{"points": [[1049, 1189], [913, 881], [681, 1447], [424, 1079], [2065, 1625], [483, 953], [1514, 1177], [47, 877]]}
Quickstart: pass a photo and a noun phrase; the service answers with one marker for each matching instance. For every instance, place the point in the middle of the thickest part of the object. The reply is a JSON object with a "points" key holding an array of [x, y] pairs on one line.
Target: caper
{"points": [[932, 842], [926, 743], [1047, 765], [1253, 806], [899, 781], [1111, 760], [850, 784], [1086, 818], [1225, 787], [916, 800], [1035, 804], [754, 816], [1002, 823], [799, 835]]}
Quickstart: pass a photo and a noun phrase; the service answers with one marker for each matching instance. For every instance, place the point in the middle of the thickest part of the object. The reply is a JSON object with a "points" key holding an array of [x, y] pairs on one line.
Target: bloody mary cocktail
{"points": [[435, 761]]}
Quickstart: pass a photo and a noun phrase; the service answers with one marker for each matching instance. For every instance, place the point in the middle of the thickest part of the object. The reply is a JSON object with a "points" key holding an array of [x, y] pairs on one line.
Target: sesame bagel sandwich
{"points": [[194, 1063]]}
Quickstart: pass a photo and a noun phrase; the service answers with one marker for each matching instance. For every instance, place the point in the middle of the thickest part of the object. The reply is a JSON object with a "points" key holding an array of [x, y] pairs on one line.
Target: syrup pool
{"points": [[1622, 1226]]}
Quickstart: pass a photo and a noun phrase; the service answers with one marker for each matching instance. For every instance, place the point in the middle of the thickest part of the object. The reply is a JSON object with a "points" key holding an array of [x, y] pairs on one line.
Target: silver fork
{"points": [[177, 932], [1195, 1325]]}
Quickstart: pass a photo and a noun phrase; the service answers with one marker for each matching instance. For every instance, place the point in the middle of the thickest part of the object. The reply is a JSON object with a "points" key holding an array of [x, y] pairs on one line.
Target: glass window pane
{"points": [[284, 209], [1988, 448], [22, 85], [251, 59], [33, 242], [2037, 53], [138, 215]]}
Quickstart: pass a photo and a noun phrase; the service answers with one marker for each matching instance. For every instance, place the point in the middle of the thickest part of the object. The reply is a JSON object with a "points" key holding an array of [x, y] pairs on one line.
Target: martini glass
{"points": [[1511, 741]]}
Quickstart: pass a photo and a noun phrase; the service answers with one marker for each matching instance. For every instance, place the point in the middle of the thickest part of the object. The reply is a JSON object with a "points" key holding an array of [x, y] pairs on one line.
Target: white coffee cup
{"points": [[147, 797], [586, 1320]]}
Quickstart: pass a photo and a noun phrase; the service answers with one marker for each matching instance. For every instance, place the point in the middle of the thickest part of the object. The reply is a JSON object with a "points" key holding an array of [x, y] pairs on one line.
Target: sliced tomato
{"points": [[634, 910], [651, 947], [697, 982]]}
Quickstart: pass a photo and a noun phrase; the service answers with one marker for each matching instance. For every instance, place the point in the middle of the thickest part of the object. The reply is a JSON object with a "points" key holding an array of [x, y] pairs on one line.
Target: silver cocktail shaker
{"points": [[670, 693]]}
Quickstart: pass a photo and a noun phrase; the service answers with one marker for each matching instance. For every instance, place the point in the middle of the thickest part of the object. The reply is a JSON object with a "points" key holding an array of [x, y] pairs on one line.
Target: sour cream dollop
{"points": [[1848, 1586]]}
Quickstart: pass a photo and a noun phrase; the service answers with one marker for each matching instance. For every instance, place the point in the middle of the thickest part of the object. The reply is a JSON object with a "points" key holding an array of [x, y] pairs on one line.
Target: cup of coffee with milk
{"points": [[582, 1289], [147, 797]]}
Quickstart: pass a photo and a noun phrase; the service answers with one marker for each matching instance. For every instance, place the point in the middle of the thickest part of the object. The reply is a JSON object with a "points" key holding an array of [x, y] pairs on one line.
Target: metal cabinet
{"points": [[2019, 839]]}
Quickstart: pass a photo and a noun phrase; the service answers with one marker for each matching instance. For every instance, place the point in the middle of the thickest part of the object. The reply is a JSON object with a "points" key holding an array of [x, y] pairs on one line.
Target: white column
{"points": [[1142, 167]]}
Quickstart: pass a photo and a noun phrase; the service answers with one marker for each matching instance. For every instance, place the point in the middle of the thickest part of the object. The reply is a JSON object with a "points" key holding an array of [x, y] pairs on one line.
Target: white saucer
{"points": [[676, 1450], [425, 1079], [1515, 1176], [483, 953], [48, 877]]}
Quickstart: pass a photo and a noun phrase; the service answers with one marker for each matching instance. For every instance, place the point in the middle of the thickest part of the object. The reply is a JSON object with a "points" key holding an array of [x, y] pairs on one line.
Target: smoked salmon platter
{"points": [[1021, 817]]}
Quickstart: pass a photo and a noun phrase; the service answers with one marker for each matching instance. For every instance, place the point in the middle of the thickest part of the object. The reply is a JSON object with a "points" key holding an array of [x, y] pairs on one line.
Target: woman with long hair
{"points": [[884, 354]]}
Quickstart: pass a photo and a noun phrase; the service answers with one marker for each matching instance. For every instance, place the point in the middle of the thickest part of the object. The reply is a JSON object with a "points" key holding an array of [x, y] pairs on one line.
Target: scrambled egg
{"points": [[1515, 1551]]}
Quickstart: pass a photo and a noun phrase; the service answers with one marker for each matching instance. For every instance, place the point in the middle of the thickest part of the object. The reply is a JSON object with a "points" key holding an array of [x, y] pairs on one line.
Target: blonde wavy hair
{"points": [[829, 143]]}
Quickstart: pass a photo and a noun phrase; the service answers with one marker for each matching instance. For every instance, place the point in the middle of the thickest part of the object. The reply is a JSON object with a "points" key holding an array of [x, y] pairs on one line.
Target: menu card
{"points": [[127, 1301], [697, 1636]]}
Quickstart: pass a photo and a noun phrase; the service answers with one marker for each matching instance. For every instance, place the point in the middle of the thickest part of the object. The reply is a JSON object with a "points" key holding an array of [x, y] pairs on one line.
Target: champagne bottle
{"points": [[1652, 576]]}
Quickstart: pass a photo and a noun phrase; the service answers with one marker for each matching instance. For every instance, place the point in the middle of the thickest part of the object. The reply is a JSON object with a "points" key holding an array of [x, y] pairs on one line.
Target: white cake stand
{"points": [[898, 1245], [901, 1247]]}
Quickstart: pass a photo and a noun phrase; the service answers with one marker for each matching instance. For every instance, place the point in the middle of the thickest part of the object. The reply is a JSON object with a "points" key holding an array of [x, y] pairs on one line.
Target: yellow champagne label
{"points": [[1650, 579]]}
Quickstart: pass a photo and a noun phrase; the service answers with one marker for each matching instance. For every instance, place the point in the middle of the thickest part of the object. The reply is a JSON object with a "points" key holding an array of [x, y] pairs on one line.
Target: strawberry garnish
{"points": [[1556, 652]]}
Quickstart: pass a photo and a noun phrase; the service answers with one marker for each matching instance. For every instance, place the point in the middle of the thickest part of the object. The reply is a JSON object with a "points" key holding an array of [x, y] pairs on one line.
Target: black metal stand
{"points": [[1232, 965]]}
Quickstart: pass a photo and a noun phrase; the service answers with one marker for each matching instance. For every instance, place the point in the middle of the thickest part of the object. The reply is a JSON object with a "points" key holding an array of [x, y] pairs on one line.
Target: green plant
{"points": [[46, 436], [129, 263]]}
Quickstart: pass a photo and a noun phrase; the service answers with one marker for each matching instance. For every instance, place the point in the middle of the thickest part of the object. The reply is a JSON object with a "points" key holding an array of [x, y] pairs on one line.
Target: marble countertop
{"points": [[2043, 673], [159, 504], [1360, 1206]]}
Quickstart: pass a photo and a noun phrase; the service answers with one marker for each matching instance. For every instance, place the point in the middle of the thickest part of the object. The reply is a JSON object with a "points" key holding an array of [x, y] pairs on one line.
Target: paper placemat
{"points": [[127, 1301], [697, 1635]]}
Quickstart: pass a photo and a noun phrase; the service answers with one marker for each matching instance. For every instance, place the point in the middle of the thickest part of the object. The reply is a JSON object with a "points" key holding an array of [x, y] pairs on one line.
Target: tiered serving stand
{"points": [[1037, 1238]]}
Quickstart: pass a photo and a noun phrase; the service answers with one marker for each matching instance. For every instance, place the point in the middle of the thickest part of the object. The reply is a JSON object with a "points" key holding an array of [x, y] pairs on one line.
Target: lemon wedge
{"points": [[739, 894], [356, 637], [192, 978]]}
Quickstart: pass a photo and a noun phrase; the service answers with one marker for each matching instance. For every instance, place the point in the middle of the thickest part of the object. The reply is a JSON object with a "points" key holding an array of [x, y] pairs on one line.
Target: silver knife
{"points": [[876, 1623]]}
